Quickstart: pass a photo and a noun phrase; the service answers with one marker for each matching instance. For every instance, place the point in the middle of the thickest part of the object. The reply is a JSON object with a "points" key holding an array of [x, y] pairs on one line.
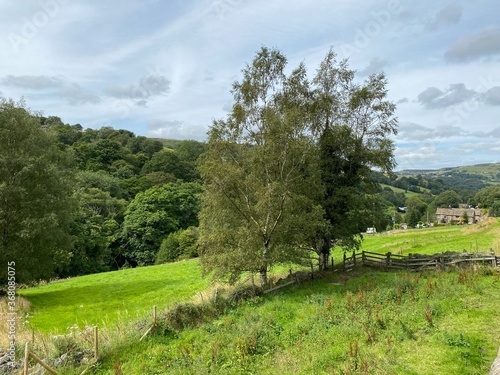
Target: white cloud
{"points": [[492, 96], [475, 45], [447, 16], [376, 65], [149, 85], [165, 68], [33, 82], [434, 98]]}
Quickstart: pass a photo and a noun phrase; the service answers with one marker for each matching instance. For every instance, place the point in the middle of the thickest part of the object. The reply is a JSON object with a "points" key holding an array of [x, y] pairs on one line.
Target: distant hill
{"points": [[486, 173]]}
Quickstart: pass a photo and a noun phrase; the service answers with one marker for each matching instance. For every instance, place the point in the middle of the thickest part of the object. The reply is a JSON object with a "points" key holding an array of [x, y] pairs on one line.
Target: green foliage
{"points": [[95, 230], [180, 244], [260, 174], [488, 196], [495, 209], [35, 196], [166, 161], [156, 213], [415, 209], [448, 198], [354, 123]]}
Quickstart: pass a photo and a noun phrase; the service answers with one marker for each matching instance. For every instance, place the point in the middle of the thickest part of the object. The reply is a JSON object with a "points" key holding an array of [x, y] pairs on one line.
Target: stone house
{"points": [[446, 215]]}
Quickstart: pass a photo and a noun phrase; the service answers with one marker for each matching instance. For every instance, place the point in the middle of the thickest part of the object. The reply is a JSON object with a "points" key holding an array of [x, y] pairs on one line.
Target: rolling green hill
{"points": [[487, 173], [365, 322]]}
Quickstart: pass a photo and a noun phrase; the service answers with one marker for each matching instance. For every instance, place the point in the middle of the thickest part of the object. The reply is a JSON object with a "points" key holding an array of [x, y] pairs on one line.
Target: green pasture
{"points": [[478, 237], [107, 297], [367, 322], [364, 322]]}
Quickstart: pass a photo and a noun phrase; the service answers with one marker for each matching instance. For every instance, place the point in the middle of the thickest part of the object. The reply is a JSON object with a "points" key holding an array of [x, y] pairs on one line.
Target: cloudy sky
{"points": [[164, 68]]}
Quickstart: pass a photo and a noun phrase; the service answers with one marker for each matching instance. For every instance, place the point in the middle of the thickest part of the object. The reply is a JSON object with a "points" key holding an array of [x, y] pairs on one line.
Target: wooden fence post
{"points": [[344, 261], [388, 259], [96, 344], [363, 257], [354, 258], [26, 358]]}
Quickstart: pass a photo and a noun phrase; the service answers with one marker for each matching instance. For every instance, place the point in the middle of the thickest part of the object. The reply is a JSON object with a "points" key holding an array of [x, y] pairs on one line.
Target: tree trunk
{"points": [[263, 276], [325, 253], [263, 267]]}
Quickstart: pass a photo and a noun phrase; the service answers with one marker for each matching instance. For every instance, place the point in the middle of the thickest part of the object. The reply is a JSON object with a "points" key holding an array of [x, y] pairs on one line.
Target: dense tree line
{"points": [[75, 201]]}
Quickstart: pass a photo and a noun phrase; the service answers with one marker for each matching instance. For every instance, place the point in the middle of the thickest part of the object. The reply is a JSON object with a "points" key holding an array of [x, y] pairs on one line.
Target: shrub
{"points": [[182, 244]]}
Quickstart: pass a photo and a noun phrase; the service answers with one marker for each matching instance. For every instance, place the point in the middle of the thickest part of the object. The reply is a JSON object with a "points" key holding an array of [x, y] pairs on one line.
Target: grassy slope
{"points": [[482, 237], [431, 323], [488, 171], [311, 328], [106, 297], [406, 193]]}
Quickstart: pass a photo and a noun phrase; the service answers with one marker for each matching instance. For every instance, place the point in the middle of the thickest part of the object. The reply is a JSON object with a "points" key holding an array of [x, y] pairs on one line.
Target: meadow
{"points": [[365, 322], [105, 298]]}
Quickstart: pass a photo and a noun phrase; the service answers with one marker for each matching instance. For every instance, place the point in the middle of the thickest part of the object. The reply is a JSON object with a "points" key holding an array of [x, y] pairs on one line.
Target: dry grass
{"points": [[23, 332], [487, 223]]}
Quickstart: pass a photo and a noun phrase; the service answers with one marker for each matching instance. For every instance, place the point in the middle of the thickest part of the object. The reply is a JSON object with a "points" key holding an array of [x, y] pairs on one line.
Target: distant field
{"points": [[107, 297], [406, 193], [490, 173], [481, 237]]}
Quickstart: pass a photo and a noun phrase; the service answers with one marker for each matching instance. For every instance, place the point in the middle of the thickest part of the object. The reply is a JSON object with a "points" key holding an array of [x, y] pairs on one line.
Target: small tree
{"points": [[465, 218]]}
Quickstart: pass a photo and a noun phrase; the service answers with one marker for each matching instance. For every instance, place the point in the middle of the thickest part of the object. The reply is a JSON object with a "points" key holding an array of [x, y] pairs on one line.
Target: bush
{"points": [[182, 244], [169, 249]]}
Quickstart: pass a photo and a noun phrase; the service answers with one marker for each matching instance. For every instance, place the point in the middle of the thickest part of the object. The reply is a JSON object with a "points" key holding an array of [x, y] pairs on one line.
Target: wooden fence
{"points": [[418, 262]]}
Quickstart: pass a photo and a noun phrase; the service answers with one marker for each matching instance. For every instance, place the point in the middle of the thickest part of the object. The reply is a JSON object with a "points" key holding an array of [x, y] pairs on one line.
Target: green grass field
{"points": [[107, 297], [479, 237], [365, 322]]}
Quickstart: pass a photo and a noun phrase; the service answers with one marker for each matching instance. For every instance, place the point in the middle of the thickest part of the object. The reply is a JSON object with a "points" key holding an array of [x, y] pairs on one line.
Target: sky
{"points": [[164, 68]]}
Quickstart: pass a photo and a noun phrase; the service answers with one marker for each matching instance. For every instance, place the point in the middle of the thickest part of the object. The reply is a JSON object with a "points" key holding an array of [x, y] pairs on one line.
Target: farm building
{"points": [[446, 215]]}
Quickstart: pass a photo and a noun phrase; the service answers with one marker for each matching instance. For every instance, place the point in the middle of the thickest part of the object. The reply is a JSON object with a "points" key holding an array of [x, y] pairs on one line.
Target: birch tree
{"points": [[262, 181]]}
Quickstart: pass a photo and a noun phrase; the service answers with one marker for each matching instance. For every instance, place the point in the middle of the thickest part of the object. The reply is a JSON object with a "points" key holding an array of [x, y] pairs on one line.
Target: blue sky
{"points": [[165, 68]]}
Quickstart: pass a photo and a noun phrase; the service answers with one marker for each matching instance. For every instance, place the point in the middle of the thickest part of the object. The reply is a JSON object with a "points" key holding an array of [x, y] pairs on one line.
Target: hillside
{"points": [[366, 322], [108, 297], [487, 173]]}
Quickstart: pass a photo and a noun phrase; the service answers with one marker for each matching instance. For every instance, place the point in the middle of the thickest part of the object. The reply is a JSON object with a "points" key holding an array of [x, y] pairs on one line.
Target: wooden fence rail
{"points": [[28, 354], [418, 262]]}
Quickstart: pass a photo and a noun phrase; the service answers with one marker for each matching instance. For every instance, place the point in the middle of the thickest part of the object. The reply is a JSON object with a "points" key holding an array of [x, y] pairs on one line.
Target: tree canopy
{"points": [[35, 196], [260, 174], [288, 171], [155, 213]]}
